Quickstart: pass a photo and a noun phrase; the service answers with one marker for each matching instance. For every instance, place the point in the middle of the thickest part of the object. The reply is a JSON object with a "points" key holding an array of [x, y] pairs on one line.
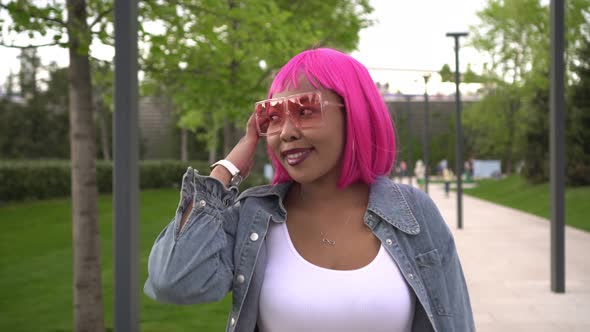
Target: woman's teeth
{"points": [[295, 155], [298, 157]]}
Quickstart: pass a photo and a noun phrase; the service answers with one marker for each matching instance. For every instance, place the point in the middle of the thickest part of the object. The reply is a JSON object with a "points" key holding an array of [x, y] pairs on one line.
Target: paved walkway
{"points": [[506, 260]]}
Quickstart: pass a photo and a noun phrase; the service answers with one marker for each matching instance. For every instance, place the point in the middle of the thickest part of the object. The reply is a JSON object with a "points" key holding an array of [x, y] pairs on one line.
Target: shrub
{"points": [[43, 179]]}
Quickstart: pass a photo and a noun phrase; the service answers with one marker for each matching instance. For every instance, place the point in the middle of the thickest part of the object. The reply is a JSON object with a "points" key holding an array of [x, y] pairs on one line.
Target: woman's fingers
{"points": [[242, 155]]}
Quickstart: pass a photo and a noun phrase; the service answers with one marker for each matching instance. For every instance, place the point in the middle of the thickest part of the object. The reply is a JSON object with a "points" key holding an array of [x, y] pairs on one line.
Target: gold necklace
{"points": [[327, 241], [324, 239]]}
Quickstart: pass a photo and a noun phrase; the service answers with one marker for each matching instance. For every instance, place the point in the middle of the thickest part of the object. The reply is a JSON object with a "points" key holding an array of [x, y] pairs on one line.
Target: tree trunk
{"points": [[184, 144], [511, 135], [229, 128], [228, 136], [213, 149], [88, 306], [105, 142]]}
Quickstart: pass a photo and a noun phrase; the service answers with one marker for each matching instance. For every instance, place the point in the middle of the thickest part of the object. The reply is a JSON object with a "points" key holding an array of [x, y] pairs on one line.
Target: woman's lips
{"points": [[296, 156]]}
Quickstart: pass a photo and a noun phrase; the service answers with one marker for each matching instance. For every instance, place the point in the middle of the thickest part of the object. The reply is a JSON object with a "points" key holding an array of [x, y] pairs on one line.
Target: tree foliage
{"points": [[36, 126], [73, 25], [578, 148], [215, 58], [469, 76], [514, 35]]}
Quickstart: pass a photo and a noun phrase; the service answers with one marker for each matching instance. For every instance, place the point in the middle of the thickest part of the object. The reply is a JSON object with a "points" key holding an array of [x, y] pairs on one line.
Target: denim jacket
{"points": [[221, 248]]}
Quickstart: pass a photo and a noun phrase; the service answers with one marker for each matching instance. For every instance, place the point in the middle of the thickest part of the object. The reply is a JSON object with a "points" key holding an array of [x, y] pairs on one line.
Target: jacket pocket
{"points": [[433, 276]]}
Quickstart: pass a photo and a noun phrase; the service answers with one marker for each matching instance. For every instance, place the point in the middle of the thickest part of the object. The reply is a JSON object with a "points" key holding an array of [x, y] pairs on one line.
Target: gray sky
{"points": [[411, 35], [406, 34]]}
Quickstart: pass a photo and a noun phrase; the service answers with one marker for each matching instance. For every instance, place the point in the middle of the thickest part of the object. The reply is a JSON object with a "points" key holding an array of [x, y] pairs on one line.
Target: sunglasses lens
{"points": [[270, 116], [304, 110]]}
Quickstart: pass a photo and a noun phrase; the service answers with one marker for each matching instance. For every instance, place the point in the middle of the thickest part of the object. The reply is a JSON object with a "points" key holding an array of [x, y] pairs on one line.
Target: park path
{"points": [[506, 260]]}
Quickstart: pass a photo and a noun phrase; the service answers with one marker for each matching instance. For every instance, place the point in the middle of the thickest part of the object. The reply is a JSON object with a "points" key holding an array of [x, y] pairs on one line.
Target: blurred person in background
{"points": [[447, 175], [332, 244], [420, 172], [403, 170]]}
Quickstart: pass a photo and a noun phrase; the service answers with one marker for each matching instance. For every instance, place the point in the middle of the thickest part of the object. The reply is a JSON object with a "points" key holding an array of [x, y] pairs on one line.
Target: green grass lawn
{"points": [[36, 268], [515, 192]]}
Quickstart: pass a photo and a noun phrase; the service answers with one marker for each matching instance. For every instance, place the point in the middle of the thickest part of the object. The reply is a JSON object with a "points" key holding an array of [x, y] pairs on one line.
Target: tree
{"points": [[75, 33], [511, 33], [102, 84], [10, 84], [514, 34], [214, 58], [36, 126], [469, 76], [578, 135], [27, 76], [536, 133]]}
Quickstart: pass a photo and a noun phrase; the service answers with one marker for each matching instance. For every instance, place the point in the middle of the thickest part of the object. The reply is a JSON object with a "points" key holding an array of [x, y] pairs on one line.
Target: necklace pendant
{"points": [[327, 241]]}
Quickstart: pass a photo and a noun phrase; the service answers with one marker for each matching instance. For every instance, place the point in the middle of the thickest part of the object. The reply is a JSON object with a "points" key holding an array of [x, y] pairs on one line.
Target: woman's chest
{"points": [[340, 245], [301, 295]]}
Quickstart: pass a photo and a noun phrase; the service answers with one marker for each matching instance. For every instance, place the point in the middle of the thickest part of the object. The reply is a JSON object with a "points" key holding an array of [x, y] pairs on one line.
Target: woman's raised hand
{"points": [[242, 155]]}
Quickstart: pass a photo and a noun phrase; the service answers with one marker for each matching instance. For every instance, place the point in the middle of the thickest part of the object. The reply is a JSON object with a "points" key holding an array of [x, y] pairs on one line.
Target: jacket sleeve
{"points": [[452, 273], [194, 264]]}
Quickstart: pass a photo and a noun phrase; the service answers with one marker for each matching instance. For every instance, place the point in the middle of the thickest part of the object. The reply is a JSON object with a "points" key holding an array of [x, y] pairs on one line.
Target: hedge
{"points": [[43, 179]]}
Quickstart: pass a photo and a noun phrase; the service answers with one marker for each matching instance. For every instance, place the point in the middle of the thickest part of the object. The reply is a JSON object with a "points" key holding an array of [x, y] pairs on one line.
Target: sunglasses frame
{"points": [[288, 113]]}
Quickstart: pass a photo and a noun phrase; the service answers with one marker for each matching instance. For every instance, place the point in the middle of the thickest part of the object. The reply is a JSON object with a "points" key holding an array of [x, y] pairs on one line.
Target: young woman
{"points": [[331, 244]]}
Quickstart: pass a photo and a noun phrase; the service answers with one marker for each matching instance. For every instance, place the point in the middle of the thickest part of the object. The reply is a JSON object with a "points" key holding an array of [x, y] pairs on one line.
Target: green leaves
{"points": [[468, 77], [204, 54], [30, 18], [221, 44], [48, 19], [514, 35]]}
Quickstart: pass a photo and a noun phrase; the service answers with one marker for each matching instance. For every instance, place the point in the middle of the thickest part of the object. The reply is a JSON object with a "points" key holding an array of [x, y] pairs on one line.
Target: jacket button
{"points": [[203, 203], [232, 322], [240, 278], [254, 237], [389, 242], [411, 276]]}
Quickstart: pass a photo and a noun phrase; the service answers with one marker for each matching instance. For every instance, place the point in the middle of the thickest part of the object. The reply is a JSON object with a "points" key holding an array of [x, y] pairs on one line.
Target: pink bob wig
{"points": [[369, 150]]}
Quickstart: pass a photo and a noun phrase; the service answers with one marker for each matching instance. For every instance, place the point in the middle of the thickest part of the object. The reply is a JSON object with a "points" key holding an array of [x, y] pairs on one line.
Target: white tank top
{"points": [[298, 296]]}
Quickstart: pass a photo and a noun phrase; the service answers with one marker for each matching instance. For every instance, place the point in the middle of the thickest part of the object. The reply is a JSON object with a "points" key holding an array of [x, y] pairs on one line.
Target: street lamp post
{"points": [[458, 131], [425, 134], [125, 170], [557, 146], [409, 129]]}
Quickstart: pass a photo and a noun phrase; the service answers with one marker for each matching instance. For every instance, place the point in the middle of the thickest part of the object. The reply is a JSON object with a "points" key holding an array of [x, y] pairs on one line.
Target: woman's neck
{"points": [[316, 196]]}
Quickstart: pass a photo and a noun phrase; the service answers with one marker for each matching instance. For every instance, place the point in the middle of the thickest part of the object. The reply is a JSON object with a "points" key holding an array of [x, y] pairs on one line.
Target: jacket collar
{"points": [[385, 201]]}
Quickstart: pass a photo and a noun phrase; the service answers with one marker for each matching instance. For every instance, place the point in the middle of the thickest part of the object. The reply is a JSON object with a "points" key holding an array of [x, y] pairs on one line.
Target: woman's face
{"points": [[315, 153]]}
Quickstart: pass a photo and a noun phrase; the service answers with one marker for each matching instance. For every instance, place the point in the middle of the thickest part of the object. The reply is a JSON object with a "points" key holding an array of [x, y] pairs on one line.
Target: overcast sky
{"points": [[406, 35], [411, 35]]}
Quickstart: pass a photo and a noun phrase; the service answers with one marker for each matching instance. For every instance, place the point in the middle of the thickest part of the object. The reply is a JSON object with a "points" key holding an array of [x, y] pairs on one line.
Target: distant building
{"points": [[160, 139], [441, 109], [156, 127]]}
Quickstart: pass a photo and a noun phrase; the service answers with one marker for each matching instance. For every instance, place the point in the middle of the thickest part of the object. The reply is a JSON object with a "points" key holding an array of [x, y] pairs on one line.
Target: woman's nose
{"points": [[289, 130]]}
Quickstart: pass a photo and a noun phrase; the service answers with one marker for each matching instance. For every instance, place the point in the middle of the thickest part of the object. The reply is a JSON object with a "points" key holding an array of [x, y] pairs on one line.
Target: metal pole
{"points": [[125, 170], [426, 133], [410, 148], [458, 131], [557, 148]]}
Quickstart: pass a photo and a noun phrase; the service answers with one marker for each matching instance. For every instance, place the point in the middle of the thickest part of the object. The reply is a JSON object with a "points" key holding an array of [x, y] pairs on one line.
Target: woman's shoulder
{"points": [[410, 195], [423, 208], [279, 190], [266, 199]]}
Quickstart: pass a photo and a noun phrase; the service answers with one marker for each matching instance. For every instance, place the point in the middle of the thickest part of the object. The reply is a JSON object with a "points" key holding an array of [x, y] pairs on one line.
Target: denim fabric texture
{"points": [[221, 248]]}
